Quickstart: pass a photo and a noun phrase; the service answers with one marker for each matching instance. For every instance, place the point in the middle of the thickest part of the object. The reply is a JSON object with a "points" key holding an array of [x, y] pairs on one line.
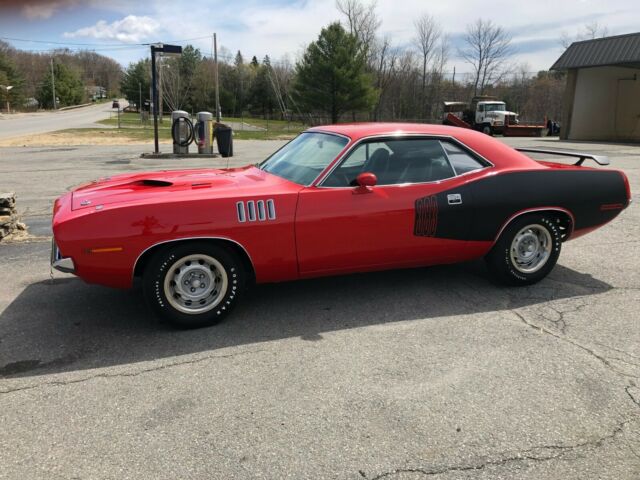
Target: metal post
{"points": [[118, 115], [155, 99], [53, 86], [140, 100], [215, 61]]}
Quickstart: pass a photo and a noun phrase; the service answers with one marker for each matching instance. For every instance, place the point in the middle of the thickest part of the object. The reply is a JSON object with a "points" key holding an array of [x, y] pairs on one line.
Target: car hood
{"points": [[174, 185]]}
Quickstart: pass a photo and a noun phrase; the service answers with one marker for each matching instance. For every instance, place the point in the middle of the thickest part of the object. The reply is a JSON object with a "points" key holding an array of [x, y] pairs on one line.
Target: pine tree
{"points": [[331, 77], [136, 80]]}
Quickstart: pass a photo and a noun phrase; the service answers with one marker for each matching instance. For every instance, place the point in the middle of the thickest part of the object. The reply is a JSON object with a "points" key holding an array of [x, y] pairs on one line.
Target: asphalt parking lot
{"points": [[432, 372]]}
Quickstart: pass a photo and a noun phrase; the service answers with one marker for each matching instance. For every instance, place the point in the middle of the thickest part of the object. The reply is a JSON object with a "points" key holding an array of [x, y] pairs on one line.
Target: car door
{"points": [[342, 228]]}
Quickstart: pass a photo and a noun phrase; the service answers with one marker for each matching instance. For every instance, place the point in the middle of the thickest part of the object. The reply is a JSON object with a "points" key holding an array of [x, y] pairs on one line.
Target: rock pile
{"points": [[9, 223]]}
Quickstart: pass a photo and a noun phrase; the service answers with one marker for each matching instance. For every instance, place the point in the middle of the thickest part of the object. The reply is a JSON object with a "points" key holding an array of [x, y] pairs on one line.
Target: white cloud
{"points": [[131, 29], [281, 27], [278, 27]]}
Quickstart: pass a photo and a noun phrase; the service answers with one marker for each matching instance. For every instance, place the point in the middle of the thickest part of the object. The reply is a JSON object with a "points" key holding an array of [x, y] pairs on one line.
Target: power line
{"points": [[121, 44]]}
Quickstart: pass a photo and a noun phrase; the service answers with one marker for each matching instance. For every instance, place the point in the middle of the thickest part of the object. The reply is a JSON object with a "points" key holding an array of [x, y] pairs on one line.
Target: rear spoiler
{"points": [[581, 156]]}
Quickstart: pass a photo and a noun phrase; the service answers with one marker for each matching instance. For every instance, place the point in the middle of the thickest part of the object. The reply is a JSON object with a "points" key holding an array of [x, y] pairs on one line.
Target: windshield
{"points": [[305, 157], [495, 107]]}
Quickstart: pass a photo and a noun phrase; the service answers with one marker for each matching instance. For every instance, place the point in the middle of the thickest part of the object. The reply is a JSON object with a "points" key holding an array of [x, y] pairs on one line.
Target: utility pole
{"points": [[53, 86], [7, 89], [215, 62]]}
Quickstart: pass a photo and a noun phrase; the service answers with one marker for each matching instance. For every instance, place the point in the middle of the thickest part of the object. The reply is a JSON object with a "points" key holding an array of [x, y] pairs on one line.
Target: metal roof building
{"points": [[602, 97]]}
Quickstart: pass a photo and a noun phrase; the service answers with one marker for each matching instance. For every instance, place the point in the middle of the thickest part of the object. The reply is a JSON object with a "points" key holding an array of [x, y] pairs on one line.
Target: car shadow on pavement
{"points": [[66, 325]]}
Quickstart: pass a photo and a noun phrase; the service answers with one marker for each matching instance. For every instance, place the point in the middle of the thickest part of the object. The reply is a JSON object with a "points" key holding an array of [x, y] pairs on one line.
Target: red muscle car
{"points": [[336, 199]]}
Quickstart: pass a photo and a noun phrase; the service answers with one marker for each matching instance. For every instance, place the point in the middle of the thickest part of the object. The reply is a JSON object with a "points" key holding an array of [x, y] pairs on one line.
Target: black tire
{"points": [[486, 129], [197, 265], [503, 258]]}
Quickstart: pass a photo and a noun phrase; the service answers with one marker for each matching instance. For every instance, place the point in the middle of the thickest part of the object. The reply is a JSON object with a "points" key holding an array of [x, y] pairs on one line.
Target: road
{"points": [[401, 375], [20, 124]]}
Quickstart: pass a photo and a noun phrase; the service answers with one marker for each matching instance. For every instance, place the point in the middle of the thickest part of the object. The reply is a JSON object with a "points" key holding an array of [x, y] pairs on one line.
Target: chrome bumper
{"points": [[60, 263]]}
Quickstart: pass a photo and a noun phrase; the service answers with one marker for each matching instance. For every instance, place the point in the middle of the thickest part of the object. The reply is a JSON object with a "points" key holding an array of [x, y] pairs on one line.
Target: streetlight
{"points": [[7, 88]]}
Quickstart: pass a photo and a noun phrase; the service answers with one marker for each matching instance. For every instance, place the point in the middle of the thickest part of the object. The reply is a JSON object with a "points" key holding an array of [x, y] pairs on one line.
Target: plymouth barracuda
{"points": [[335, 200]]}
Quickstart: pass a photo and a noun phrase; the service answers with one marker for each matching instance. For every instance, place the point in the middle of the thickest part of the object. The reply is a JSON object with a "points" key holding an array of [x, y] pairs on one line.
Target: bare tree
{"points": [[442, 54], [487, 47], [440, 60], [385, 56], [593, 30], [428, 33], [590, 31], [362, 21]]}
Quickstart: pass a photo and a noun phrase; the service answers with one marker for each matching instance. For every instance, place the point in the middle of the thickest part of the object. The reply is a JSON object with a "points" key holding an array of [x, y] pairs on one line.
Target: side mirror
{"points": [[365, 181]]}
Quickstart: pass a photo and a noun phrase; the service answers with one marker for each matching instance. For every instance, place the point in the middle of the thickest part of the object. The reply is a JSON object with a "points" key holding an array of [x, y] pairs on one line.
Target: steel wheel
{"points": [[195, 284], [531, 248]]}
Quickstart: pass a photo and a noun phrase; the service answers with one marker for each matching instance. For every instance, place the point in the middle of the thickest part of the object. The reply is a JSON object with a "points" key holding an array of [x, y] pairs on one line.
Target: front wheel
{"points": [[193, 285], [527, 250], [487, 130]]}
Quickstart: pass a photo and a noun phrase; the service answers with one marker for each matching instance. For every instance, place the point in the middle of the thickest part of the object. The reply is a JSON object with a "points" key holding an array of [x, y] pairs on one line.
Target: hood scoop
{"points": [[150, 182]]}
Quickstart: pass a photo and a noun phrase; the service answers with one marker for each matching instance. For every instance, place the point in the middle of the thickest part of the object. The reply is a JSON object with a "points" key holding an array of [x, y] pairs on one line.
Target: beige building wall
{"points": [[606, 104]]}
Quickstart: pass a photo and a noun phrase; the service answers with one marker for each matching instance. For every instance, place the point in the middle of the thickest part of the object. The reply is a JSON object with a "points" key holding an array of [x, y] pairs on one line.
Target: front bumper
{"points": [[60, 263]]}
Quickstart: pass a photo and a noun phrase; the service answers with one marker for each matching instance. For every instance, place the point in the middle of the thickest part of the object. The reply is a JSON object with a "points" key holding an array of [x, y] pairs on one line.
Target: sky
{"points": [[282, 28]]}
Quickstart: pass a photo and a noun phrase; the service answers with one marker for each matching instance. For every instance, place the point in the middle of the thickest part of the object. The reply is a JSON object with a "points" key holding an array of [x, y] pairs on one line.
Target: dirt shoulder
{"points": [[79, 137]]}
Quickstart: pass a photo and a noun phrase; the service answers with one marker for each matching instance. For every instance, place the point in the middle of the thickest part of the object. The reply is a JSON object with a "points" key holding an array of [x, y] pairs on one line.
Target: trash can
{"points": [[224, 139]]}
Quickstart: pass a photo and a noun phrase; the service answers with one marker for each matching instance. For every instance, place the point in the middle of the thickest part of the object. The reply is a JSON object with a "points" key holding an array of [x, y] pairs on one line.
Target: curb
{"points": [[179, 155]]}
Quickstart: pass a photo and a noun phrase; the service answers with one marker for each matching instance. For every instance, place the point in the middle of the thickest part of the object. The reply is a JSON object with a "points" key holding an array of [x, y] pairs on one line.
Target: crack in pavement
{"points": [[534, 454], [566, 339], [631, 395], [560, 321], [127, 374], [624, 352]]}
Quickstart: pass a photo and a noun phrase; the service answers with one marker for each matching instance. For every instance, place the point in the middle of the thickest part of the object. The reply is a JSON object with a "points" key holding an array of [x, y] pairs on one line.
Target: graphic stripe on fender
{"points": [[426, 217]]}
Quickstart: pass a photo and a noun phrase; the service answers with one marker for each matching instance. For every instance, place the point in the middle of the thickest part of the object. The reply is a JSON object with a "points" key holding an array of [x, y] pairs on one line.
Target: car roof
{"points": [[491, 149], [355, 131]]}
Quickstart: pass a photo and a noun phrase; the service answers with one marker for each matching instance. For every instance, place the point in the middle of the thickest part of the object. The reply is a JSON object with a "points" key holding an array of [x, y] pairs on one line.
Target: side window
{"points": [[364, 154], [461, 160], [395, 161]]}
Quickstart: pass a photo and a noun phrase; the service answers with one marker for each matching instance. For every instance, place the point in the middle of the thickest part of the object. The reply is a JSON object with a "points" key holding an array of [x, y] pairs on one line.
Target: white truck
{"points": [[486, 114]]}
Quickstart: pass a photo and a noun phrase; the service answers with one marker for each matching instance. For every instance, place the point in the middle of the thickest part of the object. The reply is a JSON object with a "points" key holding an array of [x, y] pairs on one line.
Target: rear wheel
{"points": [[526, 251], [193, 285]]}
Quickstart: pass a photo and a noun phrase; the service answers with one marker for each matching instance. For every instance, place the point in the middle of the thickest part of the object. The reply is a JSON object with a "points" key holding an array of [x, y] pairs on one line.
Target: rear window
{"points": [[461, 160]]}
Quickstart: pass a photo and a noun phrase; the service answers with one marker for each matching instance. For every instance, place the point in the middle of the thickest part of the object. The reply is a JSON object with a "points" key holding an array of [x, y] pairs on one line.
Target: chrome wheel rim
{"points": [[195, 284], [531, 248]]}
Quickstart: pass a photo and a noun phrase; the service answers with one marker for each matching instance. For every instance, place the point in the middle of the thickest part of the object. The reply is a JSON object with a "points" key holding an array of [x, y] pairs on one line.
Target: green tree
{"points": [[262, 99], [69, 87], [331, 77], [10, 76], [135, 78], [188, 64]]}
